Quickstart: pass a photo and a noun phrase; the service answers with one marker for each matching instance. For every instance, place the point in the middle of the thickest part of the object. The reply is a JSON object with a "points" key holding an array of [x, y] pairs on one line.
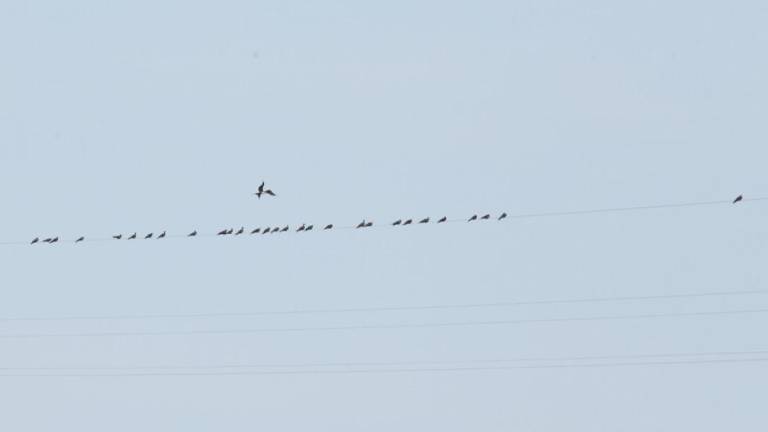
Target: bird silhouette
{"points": [[55, 240], [473, 218], [486, 217], [285, 229], [263, 191], [503, 216], [80, 239], [148, 236], [738, 198], [117, 237], [222, 232], [230, 231], [328, 227], [397, 222], [132, 237], [310, 228], [275, 230], [361, 224], [443, 220], [302, 228], [48, 240], [369, 224], [256, 231], [424, 221], [192, 234], [161, 236], [408, 222], [266, 230], [36, 239], [240, 231]]}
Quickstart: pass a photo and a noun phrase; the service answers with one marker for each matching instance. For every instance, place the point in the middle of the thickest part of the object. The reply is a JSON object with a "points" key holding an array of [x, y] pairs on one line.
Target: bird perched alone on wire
{"points": [[192, 234], [263, 191], [738, 198], [161, 236], [80, 240], [397, 222], [444, 219], [503, 216], [473, 218], [328, 227], [149, 236], [117, 237], [424, 221], [36, 239]]}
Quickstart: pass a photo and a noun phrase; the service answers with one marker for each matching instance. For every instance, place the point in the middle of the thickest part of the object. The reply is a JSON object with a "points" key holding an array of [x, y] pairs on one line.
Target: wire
{"points": [[379, 327], [511, 216], [394, 371], [391, 308], [399, 363]]}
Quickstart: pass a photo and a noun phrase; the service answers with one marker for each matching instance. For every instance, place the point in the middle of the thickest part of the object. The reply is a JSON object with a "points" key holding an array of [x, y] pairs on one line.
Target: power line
{"points": [[393, 371], [529, 215], [392, 308], [381, 327], [400, 363]]}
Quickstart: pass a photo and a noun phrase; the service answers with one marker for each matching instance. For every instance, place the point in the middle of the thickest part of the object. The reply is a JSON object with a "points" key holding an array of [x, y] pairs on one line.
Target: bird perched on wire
{"points": [[192, 234], [310, 228], [48, 240], [80, 240], [161, 236], [285, 229], [263, 191], [36, 239], [328, 227], [149, 236], [240, 231], [738, 198], [397, 222], [222, 232], [473, 218], [55, 240], [361, 224], [266, 230], [503, 216], [486, 217], [301, 228], [132, 237], [369, 224], [117, 237], [444, 219], [408, 222], [424, 221]]}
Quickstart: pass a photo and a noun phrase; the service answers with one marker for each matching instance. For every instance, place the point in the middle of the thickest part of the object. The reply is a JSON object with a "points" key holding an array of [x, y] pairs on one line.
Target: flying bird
{"points": [[473, 218], [424, 221], [443, 220], [240, 231], [328, 227], [738, 198], [263, 191], [486, 217], [37, 239], [503, 216], [161, 236], [192, 234], [117, 237], [132, 237], [148, 236], [80, 239], [397, 222], [408, 222]]}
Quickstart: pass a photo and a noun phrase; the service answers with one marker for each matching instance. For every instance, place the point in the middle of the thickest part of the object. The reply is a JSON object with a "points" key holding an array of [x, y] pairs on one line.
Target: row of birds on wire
{"points": [[274, 230]]}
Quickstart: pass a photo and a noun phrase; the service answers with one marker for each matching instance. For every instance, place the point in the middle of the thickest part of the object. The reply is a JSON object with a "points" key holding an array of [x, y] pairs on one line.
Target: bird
{"points": [[503, 216], [397, 222], [328, 227], [117, 237], [361, 224], [240, 231], [161, 236], [80, 239], [48, 240], [408, 222], [285, 228], [275, 230], [443, 220], [424, 221], [230, 231], [486, 217], [302, 228], [473, 218], [310, 228], [369, 224], [222, 232], [37, 239], [738, 198], [132, 237], [263, 191], [148, 236], [266, 230], [256, 231], [192, 234], [55, 240]]}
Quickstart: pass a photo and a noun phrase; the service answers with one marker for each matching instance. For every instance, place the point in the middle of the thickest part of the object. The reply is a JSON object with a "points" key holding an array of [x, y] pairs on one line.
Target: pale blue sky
{"points": [[144, 116]]}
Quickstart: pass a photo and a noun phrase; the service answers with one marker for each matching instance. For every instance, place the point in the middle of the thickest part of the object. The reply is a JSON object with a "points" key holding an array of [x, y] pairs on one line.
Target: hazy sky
{"points": [[165, 115]]}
